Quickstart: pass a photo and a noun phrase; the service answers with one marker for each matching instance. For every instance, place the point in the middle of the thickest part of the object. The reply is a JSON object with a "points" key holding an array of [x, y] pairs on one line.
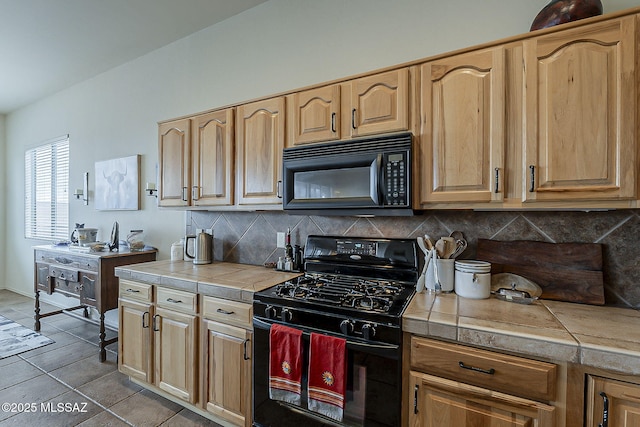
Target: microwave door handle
{"points": [[377, 180]]}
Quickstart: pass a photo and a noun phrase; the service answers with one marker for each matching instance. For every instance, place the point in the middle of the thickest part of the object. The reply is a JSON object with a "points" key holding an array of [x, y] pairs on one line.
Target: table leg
{"points": [[36, 327], [103, 352]]}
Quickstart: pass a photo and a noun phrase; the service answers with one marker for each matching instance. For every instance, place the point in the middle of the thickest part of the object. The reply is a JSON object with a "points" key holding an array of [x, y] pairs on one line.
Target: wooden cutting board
{"points": [[565, 271]]}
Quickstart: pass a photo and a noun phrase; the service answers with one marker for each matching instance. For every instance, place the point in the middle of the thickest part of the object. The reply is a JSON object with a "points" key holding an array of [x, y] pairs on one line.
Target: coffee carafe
{"points": [[202, 248]]}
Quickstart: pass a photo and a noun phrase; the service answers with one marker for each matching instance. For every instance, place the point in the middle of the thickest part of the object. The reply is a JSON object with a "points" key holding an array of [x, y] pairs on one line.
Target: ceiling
{"points": [[49, 45]]}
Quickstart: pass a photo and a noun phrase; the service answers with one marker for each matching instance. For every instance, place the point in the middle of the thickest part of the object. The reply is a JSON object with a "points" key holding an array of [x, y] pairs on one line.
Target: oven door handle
{"points": [[388, 350]]}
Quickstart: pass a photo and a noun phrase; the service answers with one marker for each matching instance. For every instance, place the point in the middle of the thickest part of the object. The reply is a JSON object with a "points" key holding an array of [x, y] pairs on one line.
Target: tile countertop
{"points": [[227, 280], [602, 337]]}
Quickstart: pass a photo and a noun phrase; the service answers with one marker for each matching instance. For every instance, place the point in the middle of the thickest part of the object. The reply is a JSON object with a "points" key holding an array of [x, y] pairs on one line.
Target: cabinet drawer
{"points": [[172, 299], [135, 290], [496, 371], [228, 312], [63, 273]]}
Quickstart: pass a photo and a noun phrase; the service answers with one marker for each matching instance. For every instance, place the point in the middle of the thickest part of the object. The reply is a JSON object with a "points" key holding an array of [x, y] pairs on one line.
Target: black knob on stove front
{"points": [[270, 312], [368, 331], [286, 315], [346, 327]]}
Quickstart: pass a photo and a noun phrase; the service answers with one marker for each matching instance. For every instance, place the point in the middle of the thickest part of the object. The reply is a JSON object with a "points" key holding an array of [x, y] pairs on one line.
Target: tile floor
{"points": [[69, 372]]}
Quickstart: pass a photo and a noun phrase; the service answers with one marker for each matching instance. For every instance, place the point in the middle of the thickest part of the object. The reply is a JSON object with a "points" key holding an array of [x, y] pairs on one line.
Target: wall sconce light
{"points": [[83, 193], [151, 189]]}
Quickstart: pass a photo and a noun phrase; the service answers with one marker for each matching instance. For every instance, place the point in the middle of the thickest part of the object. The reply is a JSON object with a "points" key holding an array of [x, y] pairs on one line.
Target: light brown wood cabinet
{"points": [[158, 338], [213, 162], [622, 398], [260, 131], [463, 128], [580, 113], [358, 107], [226, 358], [451, 385], [174, 163]]}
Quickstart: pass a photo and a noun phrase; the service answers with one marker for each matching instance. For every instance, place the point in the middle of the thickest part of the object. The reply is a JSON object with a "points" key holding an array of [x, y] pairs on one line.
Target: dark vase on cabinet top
{"points": [[562, 11]]}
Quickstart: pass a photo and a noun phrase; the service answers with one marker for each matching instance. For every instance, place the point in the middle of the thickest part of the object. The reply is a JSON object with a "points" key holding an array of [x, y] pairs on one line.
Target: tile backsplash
{"points": [[250, 237]]}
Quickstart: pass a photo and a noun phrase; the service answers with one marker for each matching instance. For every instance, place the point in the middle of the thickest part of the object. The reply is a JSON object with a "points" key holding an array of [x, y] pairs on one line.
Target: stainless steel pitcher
{"points": [[202, 248]]}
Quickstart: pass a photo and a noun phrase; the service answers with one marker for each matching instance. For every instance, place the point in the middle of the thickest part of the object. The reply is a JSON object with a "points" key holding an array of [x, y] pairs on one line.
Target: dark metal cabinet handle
{"points": [[155, 323], [194, 192], [184, 194], [145, 325], [333, 122], [175, 301], [278, 189], [532, 170], [605, 410], [415, 399], [245, 355], [490, 371], [132, 290], [224, 311], [497, 189], [353, 118]]}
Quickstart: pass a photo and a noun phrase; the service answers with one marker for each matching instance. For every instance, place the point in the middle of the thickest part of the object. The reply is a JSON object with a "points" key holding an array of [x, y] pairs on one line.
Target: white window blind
{"points": [[46, 213]]}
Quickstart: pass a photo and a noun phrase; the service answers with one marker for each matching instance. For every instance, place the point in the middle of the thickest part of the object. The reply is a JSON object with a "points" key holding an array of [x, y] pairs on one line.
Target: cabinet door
{"points": [[580, 109], [212, 162], [260, 140], [379, 103], [314, 115], [175, 353], [228, 372], [623, 402], [463, 100], [135, 357], [437, 402], [174, 154]]}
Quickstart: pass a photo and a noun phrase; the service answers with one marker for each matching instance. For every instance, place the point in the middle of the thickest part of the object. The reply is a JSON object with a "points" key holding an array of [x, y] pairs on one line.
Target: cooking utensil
{"points": [[460, 242], [434, 256], [427, 256]]}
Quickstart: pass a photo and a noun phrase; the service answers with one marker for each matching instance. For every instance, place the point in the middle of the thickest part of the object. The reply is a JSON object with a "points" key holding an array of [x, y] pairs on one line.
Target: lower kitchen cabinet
{"points": [[135, 341], [612, 403], [438, 402], [452, 385], [227, 333]]}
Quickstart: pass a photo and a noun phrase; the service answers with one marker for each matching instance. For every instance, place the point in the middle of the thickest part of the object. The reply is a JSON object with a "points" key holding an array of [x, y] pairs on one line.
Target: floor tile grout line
{"points": [[71, 388]]}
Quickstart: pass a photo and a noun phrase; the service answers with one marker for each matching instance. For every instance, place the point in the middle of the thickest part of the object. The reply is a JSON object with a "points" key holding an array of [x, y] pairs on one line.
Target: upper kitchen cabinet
{"points": [[580, 113], [212, 164], [314, 115], [260, 135], [174, 152], [364, 106], [463, 128]]}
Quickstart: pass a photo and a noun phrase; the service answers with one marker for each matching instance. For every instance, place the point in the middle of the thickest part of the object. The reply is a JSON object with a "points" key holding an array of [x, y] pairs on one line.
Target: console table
{"points": [[86, 276]]}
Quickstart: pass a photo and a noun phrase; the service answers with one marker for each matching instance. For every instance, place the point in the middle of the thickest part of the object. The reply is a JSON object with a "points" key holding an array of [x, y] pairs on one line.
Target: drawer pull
{"points": [[132, 290], [155, 323], [415, 399], [473, 368], [175, 301], [244, 344], [145, 325], [605, 410], [221, 311]]}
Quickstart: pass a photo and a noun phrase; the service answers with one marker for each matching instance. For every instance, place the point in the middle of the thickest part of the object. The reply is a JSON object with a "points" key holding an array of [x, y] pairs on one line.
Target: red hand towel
{"points": [[285, 363], [327, 375]]}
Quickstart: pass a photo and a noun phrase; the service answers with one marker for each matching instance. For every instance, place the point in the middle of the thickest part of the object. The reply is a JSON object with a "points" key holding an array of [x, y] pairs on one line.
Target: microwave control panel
{"points": [[396, 192]]}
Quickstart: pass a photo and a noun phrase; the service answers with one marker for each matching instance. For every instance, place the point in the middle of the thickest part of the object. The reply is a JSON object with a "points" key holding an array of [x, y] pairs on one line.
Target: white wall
{"points": [[3, 191], [277, 46]]}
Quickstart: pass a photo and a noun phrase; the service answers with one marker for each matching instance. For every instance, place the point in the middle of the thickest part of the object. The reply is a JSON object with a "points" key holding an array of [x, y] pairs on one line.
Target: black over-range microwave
{"points": [[366, 176]]}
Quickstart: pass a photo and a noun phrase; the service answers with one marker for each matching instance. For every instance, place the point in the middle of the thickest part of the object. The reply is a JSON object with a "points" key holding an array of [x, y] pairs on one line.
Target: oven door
{"points": [[373, 386]]}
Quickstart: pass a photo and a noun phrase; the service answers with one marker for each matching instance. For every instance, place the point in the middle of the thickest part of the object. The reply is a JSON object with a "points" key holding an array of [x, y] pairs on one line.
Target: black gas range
{"points": [[354, 288]]}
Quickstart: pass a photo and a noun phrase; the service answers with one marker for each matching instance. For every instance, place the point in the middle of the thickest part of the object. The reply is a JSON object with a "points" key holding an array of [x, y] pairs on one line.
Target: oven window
{"points": [[332, 184]]}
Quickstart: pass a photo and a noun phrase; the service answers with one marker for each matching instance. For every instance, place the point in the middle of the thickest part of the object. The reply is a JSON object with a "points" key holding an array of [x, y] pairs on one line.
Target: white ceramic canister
{"points": [[473, 279], [177, 250]]}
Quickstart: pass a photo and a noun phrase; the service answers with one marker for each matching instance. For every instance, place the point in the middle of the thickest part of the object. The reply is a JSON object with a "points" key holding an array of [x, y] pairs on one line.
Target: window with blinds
{"points": [[46, 213]]}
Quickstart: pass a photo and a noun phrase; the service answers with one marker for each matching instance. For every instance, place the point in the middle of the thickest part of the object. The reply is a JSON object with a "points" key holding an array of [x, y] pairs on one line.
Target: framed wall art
{"points": [[118, 184]]}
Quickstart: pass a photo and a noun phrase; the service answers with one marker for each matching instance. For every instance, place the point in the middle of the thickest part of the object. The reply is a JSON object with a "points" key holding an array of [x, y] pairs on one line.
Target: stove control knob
{"points": [[270, 312], [368, 331], [346, 327], [286, 315]]}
